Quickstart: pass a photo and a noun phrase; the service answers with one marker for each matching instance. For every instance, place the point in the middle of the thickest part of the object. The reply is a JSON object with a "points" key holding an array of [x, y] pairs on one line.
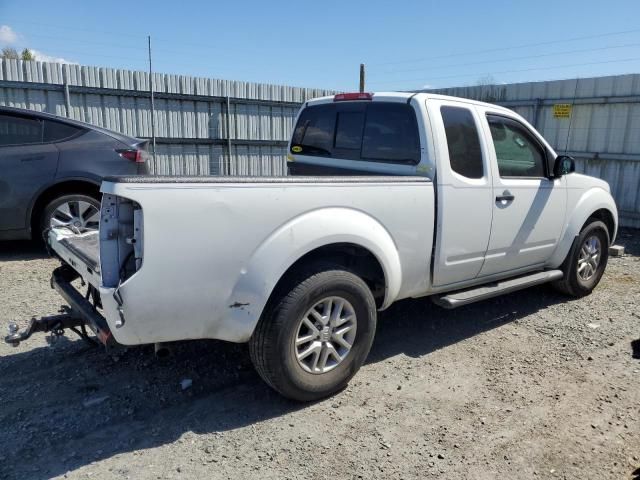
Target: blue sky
{"points": [[405, 44]]}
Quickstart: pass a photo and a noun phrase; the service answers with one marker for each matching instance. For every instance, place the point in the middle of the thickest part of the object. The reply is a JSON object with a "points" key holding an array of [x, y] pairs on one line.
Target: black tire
{"points": [[572, 284], [50, 209], [272, 346]]}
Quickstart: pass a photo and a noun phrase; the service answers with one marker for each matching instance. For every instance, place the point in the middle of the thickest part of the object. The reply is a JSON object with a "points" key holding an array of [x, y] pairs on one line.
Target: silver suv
{"points": [[51, 169]]}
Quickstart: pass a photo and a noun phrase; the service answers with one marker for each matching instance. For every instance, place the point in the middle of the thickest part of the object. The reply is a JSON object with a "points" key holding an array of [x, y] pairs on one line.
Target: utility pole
{"points": [[153, 110], [361, 77]]}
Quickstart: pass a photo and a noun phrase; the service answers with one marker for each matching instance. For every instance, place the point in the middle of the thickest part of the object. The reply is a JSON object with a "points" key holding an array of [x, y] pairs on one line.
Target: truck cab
{"points": [[501, 207]]}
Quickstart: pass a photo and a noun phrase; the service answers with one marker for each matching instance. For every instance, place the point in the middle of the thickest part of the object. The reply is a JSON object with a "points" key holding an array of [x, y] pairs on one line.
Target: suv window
{"points": [[57, 131], [463, 141], [383, 132], [517, 152], [17, 130]]}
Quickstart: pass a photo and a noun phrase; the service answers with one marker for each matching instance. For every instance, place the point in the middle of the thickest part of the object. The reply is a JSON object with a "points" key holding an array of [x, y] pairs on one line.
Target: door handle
{"points": [[32, 159], [505, 197]]}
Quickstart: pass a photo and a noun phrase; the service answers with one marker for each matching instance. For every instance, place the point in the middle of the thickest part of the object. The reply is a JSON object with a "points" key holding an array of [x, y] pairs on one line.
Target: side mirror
{"points": [[563, 164]]}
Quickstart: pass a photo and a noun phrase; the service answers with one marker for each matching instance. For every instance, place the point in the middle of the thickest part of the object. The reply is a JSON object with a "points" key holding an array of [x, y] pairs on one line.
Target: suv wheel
{"points": [[316, 335], [78, 212], [585, 264]]}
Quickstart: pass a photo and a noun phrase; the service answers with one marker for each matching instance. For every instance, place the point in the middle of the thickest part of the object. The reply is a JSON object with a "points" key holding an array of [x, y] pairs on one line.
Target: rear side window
{"points": [[16, 130], [57, 131], [463, 141], [381, 132]]}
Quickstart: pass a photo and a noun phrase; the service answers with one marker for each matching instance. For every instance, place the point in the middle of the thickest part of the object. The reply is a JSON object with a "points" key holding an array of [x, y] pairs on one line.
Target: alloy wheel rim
{"points": [[325, 335], [77, 215], [589, 259]]}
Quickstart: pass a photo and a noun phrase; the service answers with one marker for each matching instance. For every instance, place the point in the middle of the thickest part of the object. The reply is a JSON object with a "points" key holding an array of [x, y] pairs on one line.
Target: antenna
{"points": [[575, 93], [153, 110]]}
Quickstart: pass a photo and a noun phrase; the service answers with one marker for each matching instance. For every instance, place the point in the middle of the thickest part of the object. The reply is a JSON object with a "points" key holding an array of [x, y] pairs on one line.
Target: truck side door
{"points": [[528, 206], [464, 193]]}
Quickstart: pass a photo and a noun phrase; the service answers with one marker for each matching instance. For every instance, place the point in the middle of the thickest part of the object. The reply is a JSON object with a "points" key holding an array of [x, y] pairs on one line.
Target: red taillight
{"points": [[138, 156], [343, 97]]}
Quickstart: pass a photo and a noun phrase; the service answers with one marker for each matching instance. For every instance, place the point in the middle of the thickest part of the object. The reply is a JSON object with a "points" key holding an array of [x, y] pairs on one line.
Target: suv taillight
{"points": [[138, 156]]}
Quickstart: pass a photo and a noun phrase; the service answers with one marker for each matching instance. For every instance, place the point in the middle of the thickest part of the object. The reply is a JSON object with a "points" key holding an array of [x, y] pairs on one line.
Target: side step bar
{"points": [[490, 290]]}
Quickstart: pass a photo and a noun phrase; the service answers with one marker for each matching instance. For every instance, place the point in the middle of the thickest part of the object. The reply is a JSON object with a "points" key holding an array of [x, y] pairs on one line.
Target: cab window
{"points": [[367, 131], [518, 153], [463, 142]]}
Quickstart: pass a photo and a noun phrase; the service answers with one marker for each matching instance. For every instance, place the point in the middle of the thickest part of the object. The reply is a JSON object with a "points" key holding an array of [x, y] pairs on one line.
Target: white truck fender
{"points": [[290, 242], [590, 202]]}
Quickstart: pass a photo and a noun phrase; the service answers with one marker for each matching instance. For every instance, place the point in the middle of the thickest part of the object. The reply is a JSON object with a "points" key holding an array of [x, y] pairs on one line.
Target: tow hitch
{"points": [[79, 314], [56, 324]]}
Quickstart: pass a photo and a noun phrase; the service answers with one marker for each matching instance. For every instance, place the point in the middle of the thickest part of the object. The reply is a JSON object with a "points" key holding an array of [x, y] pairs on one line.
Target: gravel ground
{"points": [[528, 385]]}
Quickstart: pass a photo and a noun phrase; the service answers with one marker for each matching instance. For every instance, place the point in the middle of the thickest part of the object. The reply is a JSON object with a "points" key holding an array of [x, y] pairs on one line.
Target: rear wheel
{"points": [[585, 264], [78, 212], [316, 335]]}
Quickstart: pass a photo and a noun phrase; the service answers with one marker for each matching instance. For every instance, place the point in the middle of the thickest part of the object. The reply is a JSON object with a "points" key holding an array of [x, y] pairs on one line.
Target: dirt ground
{"points": [[531, 385]]}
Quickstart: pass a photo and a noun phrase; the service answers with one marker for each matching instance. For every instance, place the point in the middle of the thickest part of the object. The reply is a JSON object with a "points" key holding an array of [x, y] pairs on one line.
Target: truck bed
{"points": [[197, 257]]}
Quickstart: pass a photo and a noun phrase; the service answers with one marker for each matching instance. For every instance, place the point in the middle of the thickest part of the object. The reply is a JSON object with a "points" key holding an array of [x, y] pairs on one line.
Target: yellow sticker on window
{"points": [[296, 149]]}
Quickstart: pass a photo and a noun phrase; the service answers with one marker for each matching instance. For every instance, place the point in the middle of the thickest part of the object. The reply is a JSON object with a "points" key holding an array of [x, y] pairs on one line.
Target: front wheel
{"points": [[316, 335], [585, 264]]}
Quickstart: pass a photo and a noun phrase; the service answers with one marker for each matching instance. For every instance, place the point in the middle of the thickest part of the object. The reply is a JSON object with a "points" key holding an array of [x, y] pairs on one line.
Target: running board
{"points": [[490, 290]]}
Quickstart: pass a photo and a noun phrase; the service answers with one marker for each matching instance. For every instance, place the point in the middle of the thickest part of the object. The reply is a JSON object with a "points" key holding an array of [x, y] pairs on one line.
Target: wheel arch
{"points": [[84, 186], [606, 217], [349, 238], [595, 203]]}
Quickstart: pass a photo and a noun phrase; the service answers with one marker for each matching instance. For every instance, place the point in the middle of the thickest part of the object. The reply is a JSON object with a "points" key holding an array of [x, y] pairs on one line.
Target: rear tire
{"points": [[586, 261], [316, 333], [80, 211]]}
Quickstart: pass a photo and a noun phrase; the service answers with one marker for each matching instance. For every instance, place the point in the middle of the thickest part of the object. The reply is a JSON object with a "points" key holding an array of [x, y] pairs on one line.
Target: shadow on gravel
{"points": [[21, 250], [67, 406], [635, 349]]}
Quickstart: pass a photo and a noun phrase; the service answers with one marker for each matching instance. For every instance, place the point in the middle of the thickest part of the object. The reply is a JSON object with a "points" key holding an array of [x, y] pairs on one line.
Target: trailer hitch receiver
{"points": [[52, 323]]}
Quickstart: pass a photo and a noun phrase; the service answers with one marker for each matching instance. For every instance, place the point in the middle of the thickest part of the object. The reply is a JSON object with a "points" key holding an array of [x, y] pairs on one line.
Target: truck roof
{"points": [[404, 96]]}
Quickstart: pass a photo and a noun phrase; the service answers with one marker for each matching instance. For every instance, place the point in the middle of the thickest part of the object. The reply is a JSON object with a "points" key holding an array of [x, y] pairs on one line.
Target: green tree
{"points": [[10, 53], [27, 54]]}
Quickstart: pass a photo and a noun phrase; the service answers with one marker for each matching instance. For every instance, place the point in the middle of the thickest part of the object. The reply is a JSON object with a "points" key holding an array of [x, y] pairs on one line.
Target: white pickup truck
{"points": [[390, 196]]}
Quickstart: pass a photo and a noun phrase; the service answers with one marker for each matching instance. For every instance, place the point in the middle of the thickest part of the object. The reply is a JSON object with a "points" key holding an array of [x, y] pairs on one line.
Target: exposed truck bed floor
{"points": [[86, 247]]}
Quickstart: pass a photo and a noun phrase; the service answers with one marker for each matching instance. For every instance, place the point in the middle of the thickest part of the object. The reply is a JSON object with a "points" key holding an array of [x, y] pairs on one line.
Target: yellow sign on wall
{"points": [[562, 110]]}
